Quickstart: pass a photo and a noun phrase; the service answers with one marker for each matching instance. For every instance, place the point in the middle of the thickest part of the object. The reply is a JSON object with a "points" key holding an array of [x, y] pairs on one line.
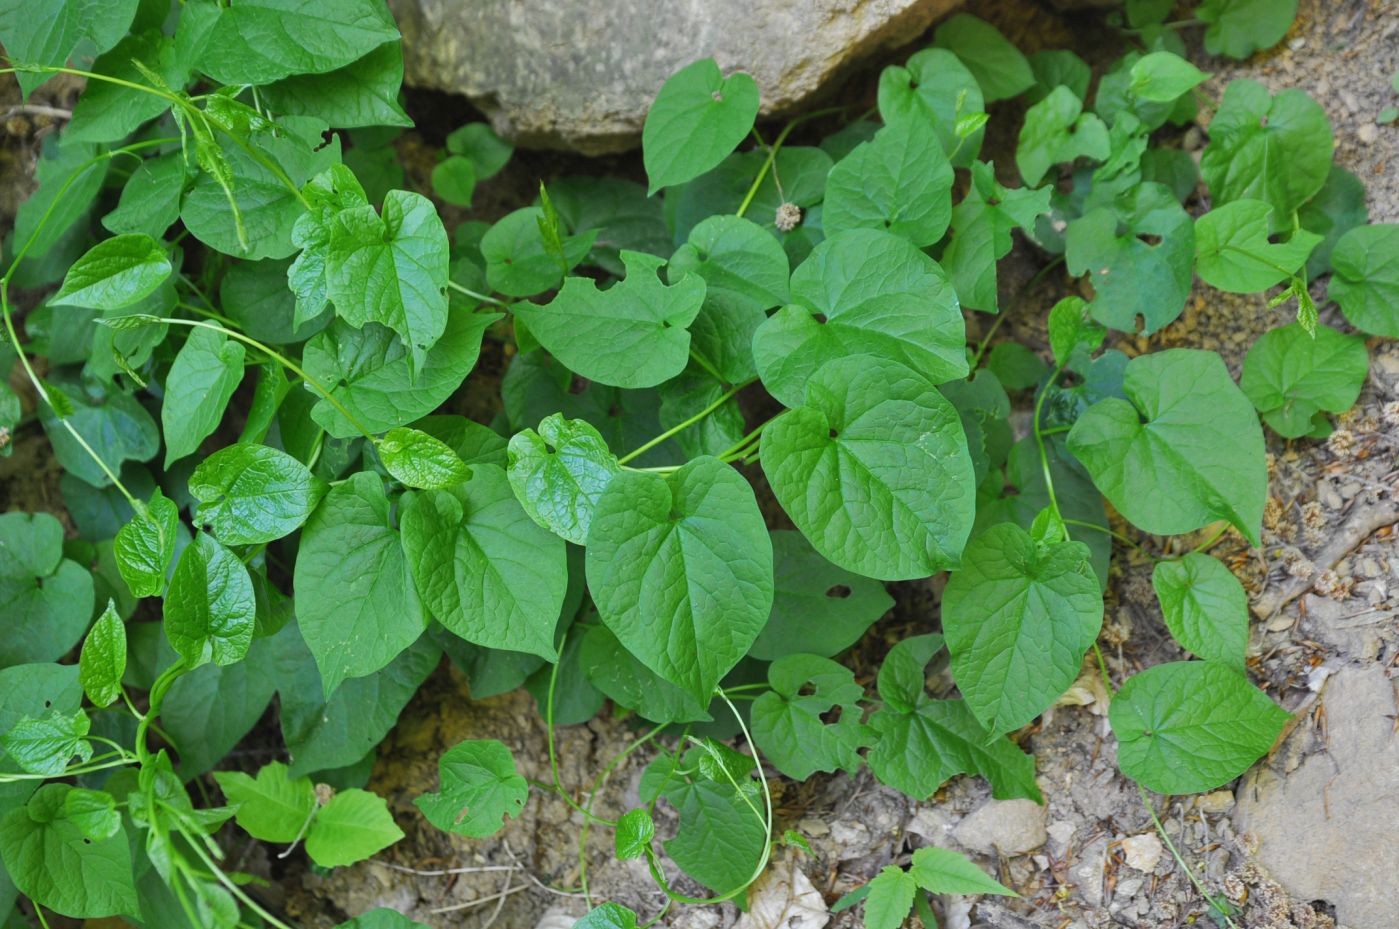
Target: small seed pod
{"points": [[789, 217]]}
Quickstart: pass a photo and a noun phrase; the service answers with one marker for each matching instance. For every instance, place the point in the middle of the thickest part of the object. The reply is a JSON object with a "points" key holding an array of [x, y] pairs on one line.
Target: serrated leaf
{"points": [[55, 865], [631, 335], [271, 806], [890, 898], [1366, 282], [1161, 77], [1233, 251], [1292, 375], [483, 568], [789, 725], [1019, 617], [817, 608], [145, 546], [114, 273], [680, 568], [250, 494], [899, 182], [934, 87], [1056, 131], [209, 611], [1186, 727], [103, 659], [202, 379], [1204, 606], [874, 469], [1271, 148], [356, 604], [46, 599], [367, 371], [1183, 450], [353, 826], [1138, 256], [998, 66], [46, 744], [942, 871], [862, 292], [479, 789], [697, 119], [559, 473], [261, 41], [1238, 28], [419, 460]]}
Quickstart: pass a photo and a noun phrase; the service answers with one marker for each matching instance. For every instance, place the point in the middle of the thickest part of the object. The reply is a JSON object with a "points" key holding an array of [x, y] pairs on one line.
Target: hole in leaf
{"points": [[993, 201], [834, 433], [48, 704], [888, 223], [87, 841], [665, 324], [832, 716], [820, 318], [807, 690], [1149, 239], [912, 85], [578, 385], [1276, 238], [614, 411], [838, 592], [549, 449]]}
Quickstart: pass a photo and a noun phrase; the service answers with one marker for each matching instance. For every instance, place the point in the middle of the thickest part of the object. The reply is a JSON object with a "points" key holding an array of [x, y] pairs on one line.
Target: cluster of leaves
{"points": [[324, 528]]}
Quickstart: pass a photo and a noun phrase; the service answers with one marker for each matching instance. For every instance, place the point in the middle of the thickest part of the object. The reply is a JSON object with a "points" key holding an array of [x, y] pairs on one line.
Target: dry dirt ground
{"points": [[1310, 838]]}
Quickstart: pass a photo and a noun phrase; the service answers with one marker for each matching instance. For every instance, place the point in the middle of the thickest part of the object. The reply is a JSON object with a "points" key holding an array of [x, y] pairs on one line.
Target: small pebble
{"points": [[1142, 852], [1368, 133]]}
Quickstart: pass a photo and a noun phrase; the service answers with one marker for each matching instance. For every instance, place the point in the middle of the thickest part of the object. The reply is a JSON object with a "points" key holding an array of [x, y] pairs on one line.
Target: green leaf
{"points": [[356, 604], [1138, 255], [874, 469], [114, 273], [483, 568], [1183, 450], [1275, 149], [680, 568], [559, 473], [635, 830], [1161, 77], [1055, 67], [1019, 617], [998, 66], [627, 682], [252, 493], [981, 227], [272, 806], [713, 814], [391, 269], [698, 118], [934, 88], [353, 826], [145, 546], [631, 335], [1056, 131], [890, 898], [362, 93], [862, 292], [479, 789], [1335, 210], [899, 182], [47, 744], [202, 379], [333, 732], [49, 36], [478, 141], [454, 180], [1238, 28], [46, 599], [1205, 607], [1366, 282], [94, 812], [789, 722], [381, 918], [261, 41], [1234, 254], [704, 409], [817, 608], [150, 201], [56, 865], [518, 261], [608, 916], [1292, 376], [69, 178], [209, 610], [942, 871], [1190, 726], [103, 659], [367, 371], [419, 460], [209, 710], [1015, 365], [115, 424]]}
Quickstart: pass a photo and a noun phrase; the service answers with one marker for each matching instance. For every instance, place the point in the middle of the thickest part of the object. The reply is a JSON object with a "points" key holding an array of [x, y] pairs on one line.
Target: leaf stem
{"points": [[1222, 909], [553, 753], [1114, 534], [453, 285], [676, 430]]}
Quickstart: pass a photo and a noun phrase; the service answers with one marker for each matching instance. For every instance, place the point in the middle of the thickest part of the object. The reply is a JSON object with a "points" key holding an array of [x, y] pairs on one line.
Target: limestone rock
{"points": [[1008, 827], [580, 74], [1329, 830]]}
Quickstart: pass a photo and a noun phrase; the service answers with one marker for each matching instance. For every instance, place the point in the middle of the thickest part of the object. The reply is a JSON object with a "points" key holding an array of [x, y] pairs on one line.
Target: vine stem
{"points": [[553, 753], [484, 298], [281, 359], [772, 155], [1020, 295], [1221, 909], [676, 430], [1039, 441]]}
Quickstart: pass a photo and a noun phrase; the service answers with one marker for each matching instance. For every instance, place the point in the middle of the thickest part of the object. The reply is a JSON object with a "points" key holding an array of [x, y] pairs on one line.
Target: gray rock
{"points": [[1329, 830], [1007, 827], [580, 74]]}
